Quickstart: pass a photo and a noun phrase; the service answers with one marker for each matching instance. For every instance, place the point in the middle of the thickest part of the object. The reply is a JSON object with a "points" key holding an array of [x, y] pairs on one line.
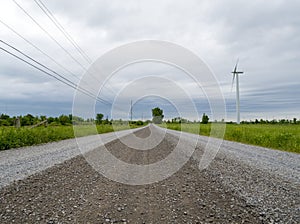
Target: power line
{"points": [[36, 67], [67, 80], [64, 80], [50, 15], [53, 39], [61, 79], [47, 73], [42, 52], [38, 49], [49, 35]]}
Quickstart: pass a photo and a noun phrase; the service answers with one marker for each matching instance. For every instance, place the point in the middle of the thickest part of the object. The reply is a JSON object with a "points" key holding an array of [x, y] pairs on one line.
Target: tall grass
{"points": [[11, 137], [284, 137]]}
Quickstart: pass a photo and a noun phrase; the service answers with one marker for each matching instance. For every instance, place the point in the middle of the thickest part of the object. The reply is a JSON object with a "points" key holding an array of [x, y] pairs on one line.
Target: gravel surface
{"points": [[243, 184], [16, 164], [267, 179]]}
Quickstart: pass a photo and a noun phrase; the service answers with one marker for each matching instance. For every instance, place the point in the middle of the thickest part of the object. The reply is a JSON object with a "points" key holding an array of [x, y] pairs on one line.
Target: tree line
{"points": [[30, 120], [158, 116]]}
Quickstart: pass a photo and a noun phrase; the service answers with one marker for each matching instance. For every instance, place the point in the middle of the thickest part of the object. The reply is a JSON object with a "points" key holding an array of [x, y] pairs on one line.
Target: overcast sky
{"points": [[264, 35]]}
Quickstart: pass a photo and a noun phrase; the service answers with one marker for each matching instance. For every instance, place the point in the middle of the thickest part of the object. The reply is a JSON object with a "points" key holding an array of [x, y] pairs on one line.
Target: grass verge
{"points": [[285, 137], [11, 137]]}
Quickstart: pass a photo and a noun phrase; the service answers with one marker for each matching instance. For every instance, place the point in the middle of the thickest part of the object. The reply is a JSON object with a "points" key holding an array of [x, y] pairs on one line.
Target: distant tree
{"points": [[78, 119], [205, 119], [99, 118], [139, 122], [5, 120], [64, 119], [295, 120], [50, 120], [157, 115], [27, 120], [43, 118], [262, 121], [4, 117], [106, 121], [282, 121], [70, 117], [274, 121]]}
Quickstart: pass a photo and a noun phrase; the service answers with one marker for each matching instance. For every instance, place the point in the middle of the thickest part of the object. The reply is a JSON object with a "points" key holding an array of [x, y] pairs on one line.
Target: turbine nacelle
{"points": [[235, 72]]}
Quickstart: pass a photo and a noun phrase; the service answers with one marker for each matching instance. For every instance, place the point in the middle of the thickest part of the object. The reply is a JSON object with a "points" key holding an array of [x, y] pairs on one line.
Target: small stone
{"points": [[262, 214]]}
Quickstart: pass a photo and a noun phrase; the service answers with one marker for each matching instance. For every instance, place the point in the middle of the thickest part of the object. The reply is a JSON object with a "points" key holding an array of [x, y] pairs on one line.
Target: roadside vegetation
{"points": [[29, 130], [277, 134]]}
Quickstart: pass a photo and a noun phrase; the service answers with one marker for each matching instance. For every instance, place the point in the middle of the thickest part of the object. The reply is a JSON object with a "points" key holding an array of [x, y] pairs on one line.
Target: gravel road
{"points": [[55, 184], [16, 164]]}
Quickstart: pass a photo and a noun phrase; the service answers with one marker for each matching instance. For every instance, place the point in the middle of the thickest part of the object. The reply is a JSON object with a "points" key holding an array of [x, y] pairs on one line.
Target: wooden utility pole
{"points": [[18, 122]]}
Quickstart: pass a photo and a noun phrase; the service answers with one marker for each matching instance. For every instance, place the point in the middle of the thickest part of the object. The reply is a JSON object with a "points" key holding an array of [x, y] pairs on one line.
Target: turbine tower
{"points": [[236, 75]]}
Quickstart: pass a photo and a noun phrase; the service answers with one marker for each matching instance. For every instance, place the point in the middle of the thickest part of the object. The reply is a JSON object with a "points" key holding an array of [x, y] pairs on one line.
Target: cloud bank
{"points": [[265, 37]]}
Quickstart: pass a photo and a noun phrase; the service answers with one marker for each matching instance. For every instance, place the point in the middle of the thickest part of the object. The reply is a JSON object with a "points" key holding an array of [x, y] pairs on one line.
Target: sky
{"points": [[264, 35]]}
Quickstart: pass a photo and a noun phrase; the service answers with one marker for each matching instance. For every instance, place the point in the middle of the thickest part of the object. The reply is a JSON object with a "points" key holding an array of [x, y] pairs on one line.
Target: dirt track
{"points": [[73, 192]]}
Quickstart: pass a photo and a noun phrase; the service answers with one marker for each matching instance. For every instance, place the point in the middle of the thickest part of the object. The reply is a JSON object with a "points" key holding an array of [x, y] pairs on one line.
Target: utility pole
{"points": [[131, 110]]}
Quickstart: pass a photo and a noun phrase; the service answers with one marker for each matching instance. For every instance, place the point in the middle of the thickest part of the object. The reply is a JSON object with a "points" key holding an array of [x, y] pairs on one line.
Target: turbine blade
{"points": [[233, 77], [235, 68]]}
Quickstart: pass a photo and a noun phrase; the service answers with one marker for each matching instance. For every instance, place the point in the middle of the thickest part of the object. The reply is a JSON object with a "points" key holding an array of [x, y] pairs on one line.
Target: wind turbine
{"points": [[236, 75]]}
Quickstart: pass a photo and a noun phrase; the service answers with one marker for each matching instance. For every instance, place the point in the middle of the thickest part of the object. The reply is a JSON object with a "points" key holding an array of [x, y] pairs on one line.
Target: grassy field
{"points": [[11, 137], [284, 137], [277, 136]]}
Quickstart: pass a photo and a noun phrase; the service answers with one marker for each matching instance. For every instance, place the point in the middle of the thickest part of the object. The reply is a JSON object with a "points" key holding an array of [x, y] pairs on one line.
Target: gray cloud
{"points": [[264, 35]]}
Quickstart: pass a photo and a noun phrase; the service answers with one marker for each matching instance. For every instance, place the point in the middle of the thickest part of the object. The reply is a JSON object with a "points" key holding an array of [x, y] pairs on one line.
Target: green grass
{"points": [[284, 137], [11, 137]]}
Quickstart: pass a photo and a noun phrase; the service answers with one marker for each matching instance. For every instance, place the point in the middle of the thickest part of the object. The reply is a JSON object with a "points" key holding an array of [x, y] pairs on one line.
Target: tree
{"points": [[106, 121], [205, 119], [99, 118], [5, 120], [27, 120], [43, 118], [64, 119], [157, 115], [71, 117]]}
